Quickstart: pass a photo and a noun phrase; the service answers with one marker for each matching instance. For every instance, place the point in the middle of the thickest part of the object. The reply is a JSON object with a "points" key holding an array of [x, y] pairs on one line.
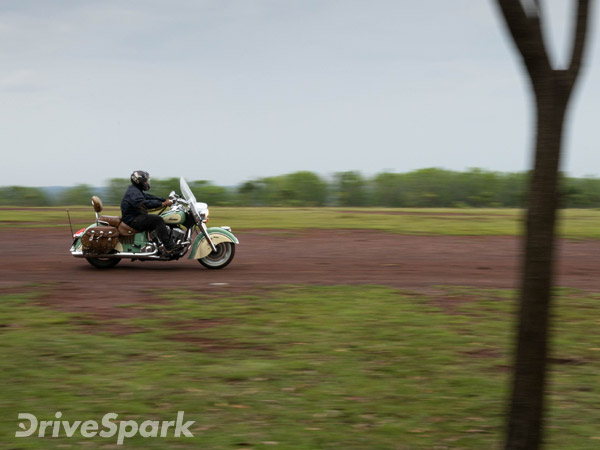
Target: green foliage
{"points": [[209, 193], [250, 193], [581, 192], [305, 189], [295, 189], [387, 190], [23, 196], [162, 187], [424, 188], [350, 189], [203, 190], [115, 190], [77, 195], [443, 188]]}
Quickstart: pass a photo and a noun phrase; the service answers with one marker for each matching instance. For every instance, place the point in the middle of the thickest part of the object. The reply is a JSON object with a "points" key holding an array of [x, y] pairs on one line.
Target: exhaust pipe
{"points": [[114, 255]]}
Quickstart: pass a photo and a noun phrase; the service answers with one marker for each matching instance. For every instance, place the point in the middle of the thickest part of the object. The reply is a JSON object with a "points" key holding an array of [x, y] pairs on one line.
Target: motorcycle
{"points": [[108, 241]]}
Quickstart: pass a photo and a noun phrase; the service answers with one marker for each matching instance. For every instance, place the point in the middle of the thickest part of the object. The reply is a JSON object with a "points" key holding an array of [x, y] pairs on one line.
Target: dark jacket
{"points": [[136, 202]]}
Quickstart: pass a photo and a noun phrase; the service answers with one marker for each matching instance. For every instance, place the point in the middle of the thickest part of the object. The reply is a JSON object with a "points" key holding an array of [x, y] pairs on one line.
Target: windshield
{"points": [[186, 191]]}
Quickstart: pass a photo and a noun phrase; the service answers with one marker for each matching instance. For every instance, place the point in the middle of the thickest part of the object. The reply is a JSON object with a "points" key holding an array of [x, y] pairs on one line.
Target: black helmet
{"points": [[141, 179]]}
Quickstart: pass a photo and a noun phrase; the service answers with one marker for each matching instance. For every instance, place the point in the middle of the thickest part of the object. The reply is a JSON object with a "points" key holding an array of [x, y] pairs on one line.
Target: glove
{"points": [[167, 203]]}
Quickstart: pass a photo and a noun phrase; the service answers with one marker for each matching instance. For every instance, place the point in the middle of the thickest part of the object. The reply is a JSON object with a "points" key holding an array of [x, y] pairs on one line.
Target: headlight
{"points": [[200, 211]]}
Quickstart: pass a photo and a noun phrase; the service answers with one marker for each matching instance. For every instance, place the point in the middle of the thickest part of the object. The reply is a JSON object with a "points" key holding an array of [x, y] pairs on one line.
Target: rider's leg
{"points": [[149, 222]]}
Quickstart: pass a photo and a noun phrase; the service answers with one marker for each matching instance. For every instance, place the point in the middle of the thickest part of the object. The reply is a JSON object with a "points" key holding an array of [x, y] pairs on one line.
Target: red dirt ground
{"points": [[266, 258]]}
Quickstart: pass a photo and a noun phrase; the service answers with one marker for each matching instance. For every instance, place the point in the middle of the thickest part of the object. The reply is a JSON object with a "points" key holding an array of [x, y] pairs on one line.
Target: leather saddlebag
{"points": [[100, 240]]}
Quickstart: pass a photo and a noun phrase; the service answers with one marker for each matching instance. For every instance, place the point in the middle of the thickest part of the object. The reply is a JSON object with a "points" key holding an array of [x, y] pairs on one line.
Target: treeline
{"points": [[421, 188]]}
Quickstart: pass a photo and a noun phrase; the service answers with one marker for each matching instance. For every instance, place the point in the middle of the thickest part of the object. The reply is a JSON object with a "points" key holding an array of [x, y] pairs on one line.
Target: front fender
{"points": [[201, 247]]}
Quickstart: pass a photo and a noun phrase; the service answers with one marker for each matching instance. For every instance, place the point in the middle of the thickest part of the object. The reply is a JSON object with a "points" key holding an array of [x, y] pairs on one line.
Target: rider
{"points": [[135, 206]]}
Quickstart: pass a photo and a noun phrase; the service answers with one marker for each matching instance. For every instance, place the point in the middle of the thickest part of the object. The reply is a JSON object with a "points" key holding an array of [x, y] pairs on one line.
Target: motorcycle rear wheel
{"points": [[103, 263], [221, 258]]}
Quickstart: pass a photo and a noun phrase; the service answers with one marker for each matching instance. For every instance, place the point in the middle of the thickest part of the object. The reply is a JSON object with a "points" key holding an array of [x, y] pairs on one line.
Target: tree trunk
{"points": [[552, 90], [527, 406]]}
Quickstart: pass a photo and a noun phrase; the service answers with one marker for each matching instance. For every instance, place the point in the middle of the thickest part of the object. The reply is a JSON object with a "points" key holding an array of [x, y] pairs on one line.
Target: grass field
{"points": [[300, 367], [576, 224], [295, 368]]}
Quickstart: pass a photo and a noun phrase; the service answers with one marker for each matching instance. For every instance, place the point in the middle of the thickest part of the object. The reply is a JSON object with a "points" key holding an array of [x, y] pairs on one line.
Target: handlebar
{"points": [[176, 199]]}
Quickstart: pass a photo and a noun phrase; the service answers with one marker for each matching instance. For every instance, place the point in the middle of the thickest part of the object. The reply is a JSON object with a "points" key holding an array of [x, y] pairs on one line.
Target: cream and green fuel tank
{"points": [[174, 217]]}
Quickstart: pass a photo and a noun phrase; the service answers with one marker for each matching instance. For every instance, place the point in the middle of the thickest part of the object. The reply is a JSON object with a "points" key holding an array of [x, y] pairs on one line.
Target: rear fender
{"points": [[201, 247]]}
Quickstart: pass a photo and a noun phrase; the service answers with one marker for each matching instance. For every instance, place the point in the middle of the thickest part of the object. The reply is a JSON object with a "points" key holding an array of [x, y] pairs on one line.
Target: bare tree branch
{"points": [[526, 32], [532, 7], [538, 5], [579, 38]]}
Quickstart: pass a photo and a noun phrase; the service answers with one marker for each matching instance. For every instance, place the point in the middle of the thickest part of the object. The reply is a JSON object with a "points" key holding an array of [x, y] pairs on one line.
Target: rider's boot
{"points": [[170, 248]]}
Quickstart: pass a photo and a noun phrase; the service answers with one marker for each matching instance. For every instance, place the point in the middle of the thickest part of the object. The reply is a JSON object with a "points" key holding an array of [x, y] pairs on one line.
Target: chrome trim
{"points": [[115, 255], [185, 249], [202, 226]]}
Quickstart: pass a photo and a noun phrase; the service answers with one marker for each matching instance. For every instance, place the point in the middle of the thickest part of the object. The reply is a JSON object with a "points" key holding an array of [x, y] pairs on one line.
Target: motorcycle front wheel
{"points": [[221, 258], [103, 263]]}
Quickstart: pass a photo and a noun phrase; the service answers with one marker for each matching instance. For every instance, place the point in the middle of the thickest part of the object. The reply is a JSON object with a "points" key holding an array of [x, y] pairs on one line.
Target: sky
{"points": [[233, 90]]}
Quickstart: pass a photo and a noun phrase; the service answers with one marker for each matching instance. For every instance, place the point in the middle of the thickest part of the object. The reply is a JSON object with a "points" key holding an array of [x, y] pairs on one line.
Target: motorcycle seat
{"points": [[126, 230], [113, 221], [122, 227]]}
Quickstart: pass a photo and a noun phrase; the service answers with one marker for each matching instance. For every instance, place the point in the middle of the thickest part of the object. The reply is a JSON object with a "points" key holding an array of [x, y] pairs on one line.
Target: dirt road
{"points": [[265, 258]]}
